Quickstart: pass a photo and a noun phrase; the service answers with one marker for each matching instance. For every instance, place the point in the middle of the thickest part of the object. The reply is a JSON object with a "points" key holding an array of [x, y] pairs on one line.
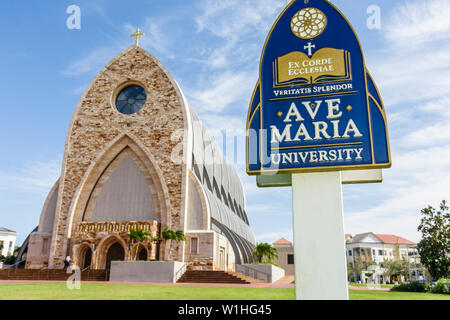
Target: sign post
{"points": [[315, 114], [319, 245]]}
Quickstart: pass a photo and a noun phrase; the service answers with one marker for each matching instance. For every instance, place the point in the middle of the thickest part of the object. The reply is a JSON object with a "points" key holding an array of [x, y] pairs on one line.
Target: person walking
{"points": [[67, 262]]}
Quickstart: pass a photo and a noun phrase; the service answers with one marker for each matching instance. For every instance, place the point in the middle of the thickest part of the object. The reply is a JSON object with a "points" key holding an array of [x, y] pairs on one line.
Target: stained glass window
{"points": [[131, 99]]}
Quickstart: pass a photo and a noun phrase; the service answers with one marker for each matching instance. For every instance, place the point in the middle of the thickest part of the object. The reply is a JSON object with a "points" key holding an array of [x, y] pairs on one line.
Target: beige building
{"points": [[285, 255], [137, 156], [366, 246], [380, 247]]}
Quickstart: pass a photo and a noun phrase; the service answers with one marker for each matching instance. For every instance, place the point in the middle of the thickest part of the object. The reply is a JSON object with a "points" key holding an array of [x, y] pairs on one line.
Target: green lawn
{"points": [[387, 295], [55, 291]]}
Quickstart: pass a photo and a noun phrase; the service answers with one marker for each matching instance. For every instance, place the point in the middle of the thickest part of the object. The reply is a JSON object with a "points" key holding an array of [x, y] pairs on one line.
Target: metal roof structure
{"points": [[220, 181]]}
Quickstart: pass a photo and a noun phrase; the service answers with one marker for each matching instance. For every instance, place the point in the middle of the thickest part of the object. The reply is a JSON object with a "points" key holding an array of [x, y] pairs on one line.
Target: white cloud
{"points": [[414, 64], [263, 209], [418, 178], [155, 38], [226, 89], [416, 23], [434, 134], [273, 236], [235, 23], [439, 108], [228, 18], [406, 75], [34, 177], [92, 62]]}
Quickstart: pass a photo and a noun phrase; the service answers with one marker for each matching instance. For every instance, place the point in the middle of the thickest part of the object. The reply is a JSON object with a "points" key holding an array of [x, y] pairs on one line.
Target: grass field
{"points": [[59, 291], [387, 295]]}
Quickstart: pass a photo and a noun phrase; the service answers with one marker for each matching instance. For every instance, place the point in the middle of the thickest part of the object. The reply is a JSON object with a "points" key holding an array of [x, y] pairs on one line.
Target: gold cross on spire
{"points": [[137, 35]]}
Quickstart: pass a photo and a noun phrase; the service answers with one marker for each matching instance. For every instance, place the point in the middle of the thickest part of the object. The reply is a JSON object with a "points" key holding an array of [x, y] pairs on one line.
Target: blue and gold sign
{"points": [[315, 106]]}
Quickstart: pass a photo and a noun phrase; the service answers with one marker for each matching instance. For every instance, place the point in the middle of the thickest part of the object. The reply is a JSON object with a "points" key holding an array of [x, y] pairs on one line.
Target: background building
{"points": [[366, 246], [285, 256], [380, 247], [7, 241]]}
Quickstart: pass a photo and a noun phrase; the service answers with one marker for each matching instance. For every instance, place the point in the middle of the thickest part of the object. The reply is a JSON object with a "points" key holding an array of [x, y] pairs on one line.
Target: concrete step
{"points": [[197, 276]]}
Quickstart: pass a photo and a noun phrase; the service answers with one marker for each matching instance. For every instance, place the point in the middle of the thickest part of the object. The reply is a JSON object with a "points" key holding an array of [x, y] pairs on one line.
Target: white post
{"points": [[319, 243]]}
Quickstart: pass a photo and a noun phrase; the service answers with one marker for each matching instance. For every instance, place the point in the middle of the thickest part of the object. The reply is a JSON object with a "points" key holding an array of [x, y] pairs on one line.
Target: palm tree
{"points": [[138, 236], [265, 250], [168, 234], [180, 236]]}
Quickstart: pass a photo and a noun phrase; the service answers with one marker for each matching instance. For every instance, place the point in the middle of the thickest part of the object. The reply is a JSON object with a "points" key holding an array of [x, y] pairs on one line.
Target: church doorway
{"points": [[83, 256], [87, 259], [221, 258], [115, 253], [142, 254]]}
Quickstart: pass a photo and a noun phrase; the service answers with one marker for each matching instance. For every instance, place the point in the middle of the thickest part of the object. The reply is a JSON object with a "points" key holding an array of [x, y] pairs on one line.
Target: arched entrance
{"points": [[83, 256], [87, 258], [115, 253], [142, 254]]}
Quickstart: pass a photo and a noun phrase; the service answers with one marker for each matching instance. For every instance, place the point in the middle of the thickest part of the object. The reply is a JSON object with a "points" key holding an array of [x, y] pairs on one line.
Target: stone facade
{"points": [[97, 125], [159, 141]]}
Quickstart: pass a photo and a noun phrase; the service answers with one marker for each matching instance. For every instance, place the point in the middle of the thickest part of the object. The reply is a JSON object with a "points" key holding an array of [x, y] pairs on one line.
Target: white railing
{"points": [[180, 272]]}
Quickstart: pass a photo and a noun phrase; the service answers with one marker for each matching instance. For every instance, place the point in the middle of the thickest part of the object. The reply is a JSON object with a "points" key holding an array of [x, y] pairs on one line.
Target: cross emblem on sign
{"points": [[309, 47], [137, 35]]}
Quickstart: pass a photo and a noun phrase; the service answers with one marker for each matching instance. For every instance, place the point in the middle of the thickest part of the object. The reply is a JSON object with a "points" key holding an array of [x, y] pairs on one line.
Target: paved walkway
{"points": [[368, 288]]}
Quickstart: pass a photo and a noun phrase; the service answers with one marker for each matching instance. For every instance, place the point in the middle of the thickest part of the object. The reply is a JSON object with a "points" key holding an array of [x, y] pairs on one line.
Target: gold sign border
{"points": [[373, 165]]}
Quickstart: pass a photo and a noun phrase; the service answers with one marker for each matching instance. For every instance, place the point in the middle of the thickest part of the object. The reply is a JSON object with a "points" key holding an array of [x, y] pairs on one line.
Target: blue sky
{"points": [[212, 48]]}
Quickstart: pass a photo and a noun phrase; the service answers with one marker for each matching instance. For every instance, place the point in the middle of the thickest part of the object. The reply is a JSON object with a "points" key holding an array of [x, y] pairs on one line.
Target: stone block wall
{"points": [[203, 259], [97, 125]]}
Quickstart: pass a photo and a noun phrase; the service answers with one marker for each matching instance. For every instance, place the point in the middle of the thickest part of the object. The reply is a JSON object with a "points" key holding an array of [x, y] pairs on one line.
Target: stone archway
{"points": [[83, 256], [112, 248], [115, 253], [87, 258], [99, 172], [144, 253]]}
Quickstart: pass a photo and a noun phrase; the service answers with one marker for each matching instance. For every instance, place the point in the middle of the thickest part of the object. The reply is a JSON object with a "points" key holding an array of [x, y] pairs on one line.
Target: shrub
{"points": [[414, 286], [9, 260], [441, 286]]}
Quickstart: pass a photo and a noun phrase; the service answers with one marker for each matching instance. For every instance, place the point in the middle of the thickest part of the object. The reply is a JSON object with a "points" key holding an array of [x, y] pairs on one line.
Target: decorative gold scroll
{"points": [[326, 65]]}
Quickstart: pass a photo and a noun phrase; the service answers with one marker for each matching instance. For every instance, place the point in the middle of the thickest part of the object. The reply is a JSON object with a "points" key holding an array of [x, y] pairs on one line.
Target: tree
{"points": [[434, 248], [177, 236], [405, 267], [265, 250], [355, 269], [393, 268], [169, 234], [138, 236]]}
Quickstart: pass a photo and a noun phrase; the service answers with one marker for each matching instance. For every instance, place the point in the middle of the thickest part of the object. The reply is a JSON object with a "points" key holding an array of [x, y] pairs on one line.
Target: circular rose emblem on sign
{"points": [[308, 23]]}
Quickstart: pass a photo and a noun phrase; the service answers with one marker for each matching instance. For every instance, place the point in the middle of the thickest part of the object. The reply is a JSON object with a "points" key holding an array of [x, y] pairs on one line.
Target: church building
{"points": [[137, 157]]}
